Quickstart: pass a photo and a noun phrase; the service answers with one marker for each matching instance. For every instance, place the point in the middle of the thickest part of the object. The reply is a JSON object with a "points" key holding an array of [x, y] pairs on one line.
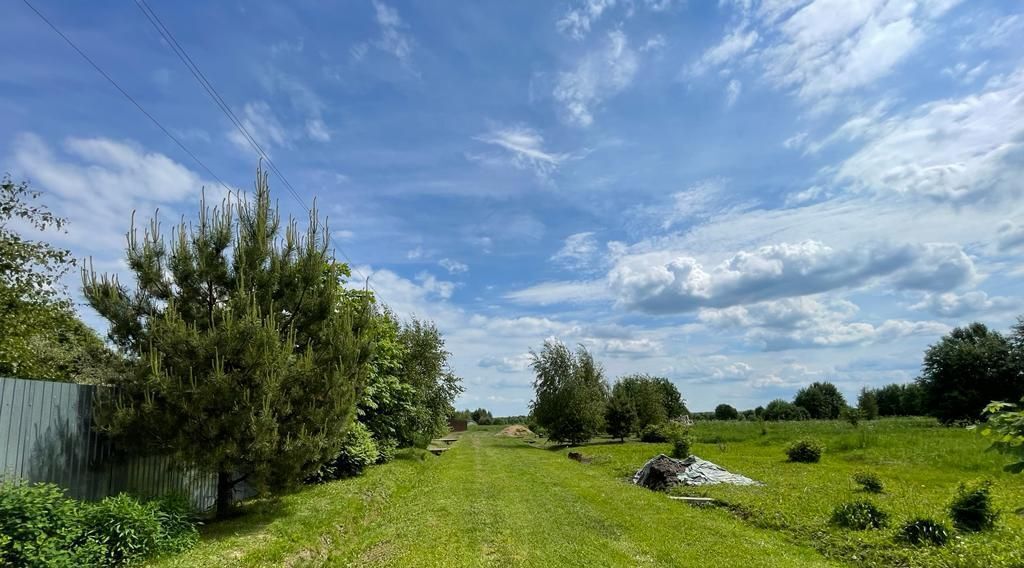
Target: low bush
{"points": [[868, 481], [178, 523], [386, 448], [859, 515], [972, 509], [924, 531], [358, 451], [38, 525], [681, 447], [663, 432], [125, 528], [805, 451]]}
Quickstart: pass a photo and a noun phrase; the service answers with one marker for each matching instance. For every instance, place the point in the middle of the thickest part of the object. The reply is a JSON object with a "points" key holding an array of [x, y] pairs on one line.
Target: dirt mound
{"points": [[662, 472], [516, 431]]}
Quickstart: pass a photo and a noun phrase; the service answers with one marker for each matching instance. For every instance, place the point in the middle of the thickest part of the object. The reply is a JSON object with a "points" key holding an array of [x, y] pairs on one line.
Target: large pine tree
{"points": [[249, 352]]}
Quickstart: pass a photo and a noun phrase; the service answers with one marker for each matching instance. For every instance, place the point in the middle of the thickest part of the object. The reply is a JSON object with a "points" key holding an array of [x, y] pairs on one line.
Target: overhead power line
{"points": [[127, 96], [225, 108]]}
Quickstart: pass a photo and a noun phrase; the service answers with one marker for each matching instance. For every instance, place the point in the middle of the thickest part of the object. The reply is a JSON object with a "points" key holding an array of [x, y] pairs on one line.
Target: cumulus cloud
{"points": [[524, 149], [513, 364], [666, 282], [100, 181], [578, 251], [953, 305], [958, 150], [598, 76]]}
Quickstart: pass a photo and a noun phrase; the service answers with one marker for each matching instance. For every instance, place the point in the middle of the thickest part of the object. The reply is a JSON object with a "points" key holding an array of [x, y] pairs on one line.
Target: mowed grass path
{"points": [[489, 501]]}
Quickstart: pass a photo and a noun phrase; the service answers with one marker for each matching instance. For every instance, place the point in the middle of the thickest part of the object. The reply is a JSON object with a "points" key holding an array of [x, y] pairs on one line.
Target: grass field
{"points": [[494, 501]]}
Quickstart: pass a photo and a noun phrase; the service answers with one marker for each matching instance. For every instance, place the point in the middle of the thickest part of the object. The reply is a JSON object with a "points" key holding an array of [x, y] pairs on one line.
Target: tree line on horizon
{"points": [[237, 347]]}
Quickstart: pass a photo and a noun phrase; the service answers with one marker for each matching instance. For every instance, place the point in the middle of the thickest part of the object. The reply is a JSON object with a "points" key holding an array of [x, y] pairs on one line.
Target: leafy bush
{"points": [[358, 451], [386, 449], [124, 527], [924, 531], [1006, 426], [178, 523], [805, 451], [859, 515], [972, 509], [868, 481], [662, 432], [38, 525]]}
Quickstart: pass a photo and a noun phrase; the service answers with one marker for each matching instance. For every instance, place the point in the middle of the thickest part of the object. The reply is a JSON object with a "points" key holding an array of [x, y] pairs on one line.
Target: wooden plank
{"points": [[692, 499]]}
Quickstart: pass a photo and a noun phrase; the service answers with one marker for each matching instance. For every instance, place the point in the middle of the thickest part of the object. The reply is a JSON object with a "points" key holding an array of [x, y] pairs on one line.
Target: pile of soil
{"points": [[662, 473], [516, 431]]}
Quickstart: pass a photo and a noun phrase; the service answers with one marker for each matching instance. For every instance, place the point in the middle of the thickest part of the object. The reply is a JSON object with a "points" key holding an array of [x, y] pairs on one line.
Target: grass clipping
{"points": [[516, 431]]}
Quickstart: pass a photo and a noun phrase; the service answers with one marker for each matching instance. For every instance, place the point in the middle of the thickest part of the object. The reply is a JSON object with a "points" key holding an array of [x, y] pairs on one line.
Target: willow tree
{"points": [[249, 351]]}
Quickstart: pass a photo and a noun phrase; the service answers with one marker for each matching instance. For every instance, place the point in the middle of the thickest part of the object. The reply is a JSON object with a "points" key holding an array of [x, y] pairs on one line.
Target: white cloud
{"points": [[261, 123], [392, 40], [655, 43], [547, 293], [964, 73], [599, 75], [453, 266], [525, 150], [822, 49], [952, 305], [667, 282], [577, 21], [513, 364], [432, 285], [578, 251], [317, 130], [415, 253], [734, 44], [957, 150], [732, 92], [100, 181], [1010, 236]]}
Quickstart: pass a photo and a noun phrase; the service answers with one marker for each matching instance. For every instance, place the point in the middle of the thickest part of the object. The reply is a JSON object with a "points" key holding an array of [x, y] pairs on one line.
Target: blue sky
{"points": [[742, 196]]}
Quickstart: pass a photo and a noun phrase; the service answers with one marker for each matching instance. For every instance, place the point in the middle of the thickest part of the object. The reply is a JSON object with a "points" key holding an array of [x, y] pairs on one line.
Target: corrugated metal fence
{"points": [[46, 434]]}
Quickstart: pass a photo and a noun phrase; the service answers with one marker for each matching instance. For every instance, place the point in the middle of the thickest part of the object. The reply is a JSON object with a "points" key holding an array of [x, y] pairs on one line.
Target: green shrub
{"points": [[681, 447], [662, 432], [357, 453], [178, 523], [386, 449], [868, 481], [972, 509], [38, 525], [805, 451], [125, 528], [924, 531], [859, 515]]}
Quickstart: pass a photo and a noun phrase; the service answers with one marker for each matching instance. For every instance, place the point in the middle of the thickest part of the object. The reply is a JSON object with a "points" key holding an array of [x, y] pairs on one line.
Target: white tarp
{"points": [[690, 471]]}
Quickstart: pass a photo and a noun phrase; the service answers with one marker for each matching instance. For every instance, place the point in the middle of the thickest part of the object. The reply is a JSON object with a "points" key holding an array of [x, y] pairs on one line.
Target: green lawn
{"points": [[494, 501]]}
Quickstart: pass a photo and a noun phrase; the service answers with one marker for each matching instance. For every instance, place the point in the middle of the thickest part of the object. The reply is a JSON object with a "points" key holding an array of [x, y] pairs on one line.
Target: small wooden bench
{"points": [[449, 441], [437, 451]]}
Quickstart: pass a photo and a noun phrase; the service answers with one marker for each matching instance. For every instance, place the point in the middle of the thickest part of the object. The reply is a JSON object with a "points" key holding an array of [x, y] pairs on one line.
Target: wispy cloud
{"points": [[524, 148], [598, 76]]}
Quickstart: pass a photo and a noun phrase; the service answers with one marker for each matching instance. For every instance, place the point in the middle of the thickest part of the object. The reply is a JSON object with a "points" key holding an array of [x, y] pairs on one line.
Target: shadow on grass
{"points": [[245, 519]]}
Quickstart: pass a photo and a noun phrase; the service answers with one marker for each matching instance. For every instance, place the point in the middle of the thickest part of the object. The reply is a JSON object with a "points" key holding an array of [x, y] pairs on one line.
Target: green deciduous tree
{"points": [[41, 337], [1006, 427], [779, 409], [966, 370], [387, 406], [426, 368], [726, 412], [654, 399], [867, 404], [823, 401], [570, 392], [620, 416], [249, 353]]}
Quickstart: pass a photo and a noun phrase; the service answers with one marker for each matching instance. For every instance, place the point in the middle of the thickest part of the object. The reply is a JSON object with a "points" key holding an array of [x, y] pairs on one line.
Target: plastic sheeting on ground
{"points": [[662, 472]]}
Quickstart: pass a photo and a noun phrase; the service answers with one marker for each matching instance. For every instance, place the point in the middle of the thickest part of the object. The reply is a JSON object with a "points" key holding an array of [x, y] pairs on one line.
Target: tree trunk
{"points": [[225, 493]]}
